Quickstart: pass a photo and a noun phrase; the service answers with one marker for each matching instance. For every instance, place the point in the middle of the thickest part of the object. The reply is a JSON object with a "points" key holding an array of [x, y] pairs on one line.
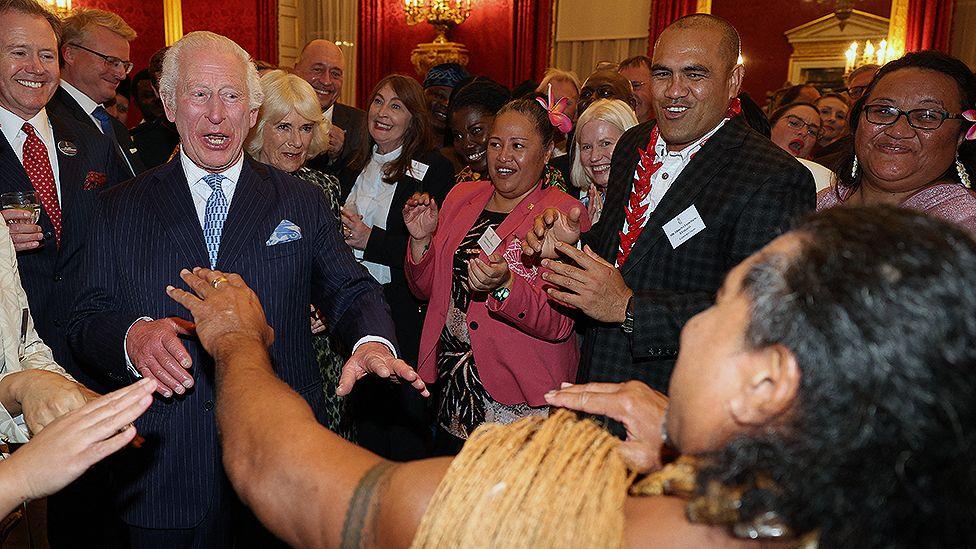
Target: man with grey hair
{"points": [[321, 63], [212, 206]]}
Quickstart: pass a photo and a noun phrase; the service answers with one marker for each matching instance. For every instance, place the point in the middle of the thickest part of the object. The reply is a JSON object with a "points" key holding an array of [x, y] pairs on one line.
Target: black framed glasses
{"points": [[114, 62], [920, 119], [855, 92], [796, 123]]}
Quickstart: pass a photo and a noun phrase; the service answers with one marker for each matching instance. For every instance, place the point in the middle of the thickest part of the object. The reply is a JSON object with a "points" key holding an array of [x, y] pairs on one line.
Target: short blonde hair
{"points": [[284, 93], [210, 42], [77, 25], [557, 75], [611, 111]]}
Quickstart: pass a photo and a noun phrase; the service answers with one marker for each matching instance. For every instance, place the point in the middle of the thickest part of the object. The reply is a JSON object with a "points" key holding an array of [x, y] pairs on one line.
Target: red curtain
{"points": [[369, 50], [929, 25], [267, 46], [533, 33], [663, 13]]}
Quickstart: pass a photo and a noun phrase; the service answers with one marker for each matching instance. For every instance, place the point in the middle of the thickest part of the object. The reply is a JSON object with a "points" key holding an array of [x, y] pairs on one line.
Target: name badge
{"points": [[67, 148], [684, 226], [489, 241], [417, 170]]}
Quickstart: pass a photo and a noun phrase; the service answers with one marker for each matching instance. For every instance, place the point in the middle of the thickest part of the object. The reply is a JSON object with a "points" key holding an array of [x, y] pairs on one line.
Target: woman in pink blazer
{"points": [[492, 341]]}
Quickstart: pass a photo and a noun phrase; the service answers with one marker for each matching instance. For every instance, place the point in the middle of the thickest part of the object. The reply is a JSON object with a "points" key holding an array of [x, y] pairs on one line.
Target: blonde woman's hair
{"points": [[611, 111], [556, 482], [208, 42], [77, 25], [283, 93], [557, 75]]}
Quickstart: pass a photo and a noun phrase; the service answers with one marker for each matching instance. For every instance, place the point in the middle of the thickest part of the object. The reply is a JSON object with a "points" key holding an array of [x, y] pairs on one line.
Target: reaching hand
{"points": [[376, 358], [45, 396], [550, 227], [420, 216], [638, 407], [76, 441], [318, 322], [594, 286], [487, 277], [224, 309], [337, 138], [155, 349]]}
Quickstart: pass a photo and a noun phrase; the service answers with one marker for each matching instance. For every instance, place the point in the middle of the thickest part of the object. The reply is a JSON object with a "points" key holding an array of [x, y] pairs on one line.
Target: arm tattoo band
{"points": [[358, 529]]}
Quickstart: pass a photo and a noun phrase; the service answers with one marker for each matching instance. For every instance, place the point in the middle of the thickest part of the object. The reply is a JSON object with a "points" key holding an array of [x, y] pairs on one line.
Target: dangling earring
{"points": [[854, 169], [963, 175]]}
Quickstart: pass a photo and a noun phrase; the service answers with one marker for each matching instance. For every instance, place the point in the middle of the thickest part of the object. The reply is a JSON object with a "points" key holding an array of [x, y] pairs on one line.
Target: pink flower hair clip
{"points": [[970, 115], [556, 110]]}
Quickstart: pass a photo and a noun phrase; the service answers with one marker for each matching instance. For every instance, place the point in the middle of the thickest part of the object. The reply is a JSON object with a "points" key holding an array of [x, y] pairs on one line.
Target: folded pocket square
{"points": [[286, 231]]}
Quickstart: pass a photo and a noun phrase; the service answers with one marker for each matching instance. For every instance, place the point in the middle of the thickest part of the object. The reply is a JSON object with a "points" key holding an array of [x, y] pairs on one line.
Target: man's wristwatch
{"points": [[628, 324], [501, 294]]}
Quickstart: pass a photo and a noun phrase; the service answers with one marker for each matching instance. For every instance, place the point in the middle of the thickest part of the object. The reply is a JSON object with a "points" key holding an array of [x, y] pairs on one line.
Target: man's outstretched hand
{"points": [[376, 358], [225, 315]]}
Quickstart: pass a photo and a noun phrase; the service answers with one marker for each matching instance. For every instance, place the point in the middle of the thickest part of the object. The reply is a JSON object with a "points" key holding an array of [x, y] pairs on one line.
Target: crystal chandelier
{"points": [[61, 8], [441, 14]]}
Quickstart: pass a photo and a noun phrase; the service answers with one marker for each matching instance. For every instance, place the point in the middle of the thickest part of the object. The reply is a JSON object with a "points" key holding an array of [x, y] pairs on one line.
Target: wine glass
{"points": [[22, 201]]}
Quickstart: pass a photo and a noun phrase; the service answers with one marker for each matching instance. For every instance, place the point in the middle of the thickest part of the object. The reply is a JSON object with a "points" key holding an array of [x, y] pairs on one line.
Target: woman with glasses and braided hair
{"points": [[913, 140]]}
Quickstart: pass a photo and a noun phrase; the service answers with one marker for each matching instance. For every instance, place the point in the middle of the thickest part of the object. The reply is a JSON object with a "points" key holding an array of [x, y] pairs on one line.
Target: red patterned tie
{"points": [[38, 167], [635, 210]]}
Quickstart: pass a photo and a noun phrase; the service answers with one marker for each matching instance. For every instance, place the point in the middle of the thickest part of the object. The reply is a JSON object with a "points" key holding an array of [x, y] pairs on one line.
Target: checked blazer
{"points": [[747, 191], [147, 230]]}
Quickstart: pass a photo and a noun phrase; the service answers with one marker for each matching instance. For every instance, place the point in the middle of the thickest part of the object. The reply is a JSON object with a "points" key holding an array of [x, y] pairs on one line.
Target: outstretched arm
{"points": [[310, 487]]}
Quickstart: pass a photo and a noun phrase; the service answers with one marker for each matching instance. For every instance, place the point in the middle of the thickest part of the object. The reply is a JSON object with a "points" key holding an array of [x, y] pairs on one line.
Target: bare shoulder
{"points": [[660, 522], [410, 489]]}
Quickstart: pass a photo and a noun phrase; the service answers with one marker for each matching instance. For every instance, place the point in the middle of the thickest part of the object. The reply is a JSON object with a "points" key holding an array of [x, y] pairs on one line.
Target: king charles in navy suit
{"points": [[213, 206]]}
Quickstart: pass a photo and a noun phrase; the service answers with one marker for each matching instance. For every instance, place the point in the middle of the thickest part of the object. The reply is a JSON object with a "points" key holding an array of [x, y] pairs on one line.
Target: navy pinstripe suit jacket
{"points": [[146, 232], [50, 273]]}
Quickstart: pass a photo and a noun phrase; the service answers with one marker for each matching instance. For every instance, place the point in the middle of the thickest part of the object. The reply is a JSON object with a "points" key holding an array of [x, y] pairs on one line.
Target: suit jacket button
{"points": [[208, 405], [473, 325], [57, 278], [521, 315], [48, 234]]}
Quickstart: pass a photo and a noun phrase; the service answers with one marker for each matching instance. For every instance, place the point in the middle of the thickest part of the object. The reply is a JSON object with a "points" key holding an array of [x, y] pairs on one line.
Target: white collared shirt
{"points": [[12, 127], [201, 191], [86, 103], [372, 198], [327, 115], [672, 164]]}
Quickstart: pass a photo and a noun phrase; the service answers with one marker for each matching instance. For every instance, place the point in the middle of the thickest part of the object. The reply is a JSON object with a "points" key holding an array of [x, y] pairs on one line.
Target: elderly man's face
{"points": [[28, 63], [692, 82], [212, 112], [323, 66]]}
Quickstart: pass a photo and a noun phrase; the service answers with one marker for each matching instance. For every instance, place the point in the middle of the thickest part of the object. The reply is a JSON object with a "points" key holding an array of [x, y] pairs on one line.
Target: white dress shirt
{"points": [[12, 127], [371, 197], [672, 164]]}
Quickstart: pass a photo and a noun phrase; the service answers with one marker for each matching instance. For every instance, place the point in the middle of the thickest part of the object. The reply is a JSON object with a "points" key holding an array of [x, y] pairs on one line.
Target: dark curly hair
{"points": [[877, 307], [930, 60], [483, 94]]}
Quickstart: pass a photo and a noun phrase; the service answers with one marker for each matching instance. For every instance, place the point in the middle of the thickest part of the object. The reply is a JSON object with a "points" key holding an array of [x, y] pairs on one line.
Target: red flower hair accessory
{"points": [[556, 110]]}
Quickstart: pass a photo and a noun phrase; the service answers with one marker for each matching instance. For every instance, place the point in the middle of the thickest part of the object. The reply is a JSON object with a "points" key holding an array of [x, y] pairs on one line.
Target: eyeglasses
{"points": [[855, 92], [796, 123], [114, 62], [920, 119]]}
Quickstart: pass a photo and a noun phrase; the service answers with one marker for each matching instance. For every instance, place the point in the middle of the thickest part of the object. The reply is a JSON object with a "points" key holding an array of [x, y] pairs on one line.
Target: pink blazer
{"points": [[524, 346]]}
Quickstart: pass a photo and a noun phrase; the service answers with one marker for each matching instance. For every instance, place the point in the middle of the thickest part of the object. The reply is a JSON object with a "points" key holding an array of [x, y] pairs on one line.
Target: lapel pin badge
{"points": [[67, 148]]}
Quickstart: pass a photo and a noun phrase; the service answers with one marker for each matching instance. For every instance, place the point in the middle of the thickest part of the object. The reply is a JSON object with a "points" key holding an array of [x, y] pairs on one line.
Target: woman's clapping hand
{"points": [[420, 216]]}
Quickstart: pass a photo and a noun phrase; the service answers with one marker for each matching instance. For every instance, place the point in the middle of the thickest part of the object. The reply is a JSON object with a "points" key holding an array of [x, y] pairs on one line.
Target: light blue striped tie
{"points": [[215, 216]]}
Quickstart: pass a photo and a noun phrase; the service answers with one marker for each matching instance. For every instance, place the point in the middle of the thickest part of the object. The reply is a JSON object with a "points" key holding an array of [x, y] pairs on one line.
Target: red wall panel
{"points": [[764, 46], [487, 34]]}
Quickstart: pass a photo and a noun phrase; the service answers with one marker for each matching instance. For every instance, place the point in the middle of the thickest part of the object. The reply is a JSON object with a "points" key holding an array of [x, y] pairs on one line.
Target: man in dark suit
{"points": [[322, 65], [65, 164], [689, 197], [213, 206], [94, 60]]}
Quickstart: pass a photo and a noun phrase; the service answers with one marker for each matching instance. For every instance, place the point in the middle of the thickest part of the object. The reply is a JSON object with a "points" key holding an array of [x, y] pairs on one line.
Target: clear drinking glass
{"points": [[21, 201]]}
